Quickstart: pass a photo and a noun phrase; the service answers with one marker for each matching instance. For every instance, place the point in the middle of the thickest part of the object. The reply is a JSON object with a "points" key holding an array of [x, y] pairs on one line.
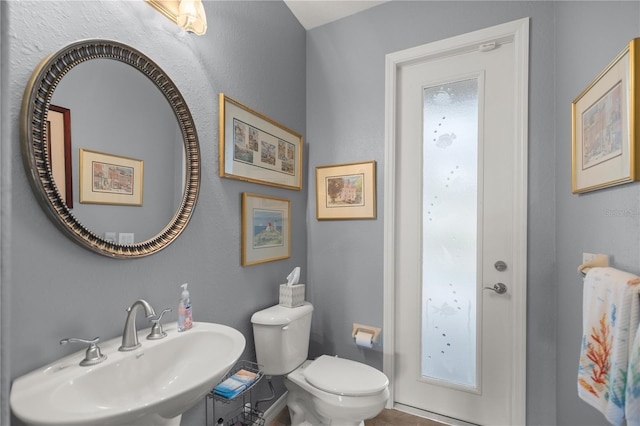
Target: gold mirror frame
{"points": [[35, 107]]}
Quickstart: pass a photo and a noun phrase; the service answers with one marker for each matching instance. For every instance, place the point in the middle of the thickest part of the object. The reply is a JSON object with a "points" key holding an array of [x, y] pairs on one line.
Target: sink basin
{"points": [[152, 385]]}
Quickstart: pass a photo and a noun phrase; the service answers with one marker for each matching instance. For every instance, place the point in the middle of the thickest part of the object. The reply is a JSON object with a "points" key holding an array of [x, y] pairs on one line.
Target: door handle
{"points": [[498, 288]]}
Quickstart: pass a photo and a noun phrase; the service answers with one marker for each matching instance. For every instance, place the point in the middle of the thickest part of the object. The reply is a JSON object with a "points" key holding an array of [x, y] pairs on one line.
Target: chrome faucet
{"points": [[130, 333]]}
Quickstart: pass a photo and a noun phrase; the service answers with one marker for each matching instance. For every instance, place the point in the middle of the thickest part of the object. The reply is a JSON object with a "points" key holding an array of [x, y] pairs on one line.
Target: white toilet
{"points": [[326, 391]]}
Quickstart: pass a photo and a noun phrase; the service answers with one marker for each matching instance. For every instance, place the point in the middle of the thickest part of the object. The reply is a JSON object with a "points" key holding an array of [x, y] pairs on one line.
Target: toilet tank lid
{"points": [[281, 315]]}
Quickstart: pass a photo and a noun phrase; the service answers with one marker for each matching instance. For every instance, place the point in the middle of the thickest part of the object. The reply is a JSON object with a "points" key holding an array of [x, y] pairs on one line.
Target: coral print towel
{"points": [[609, 370]]}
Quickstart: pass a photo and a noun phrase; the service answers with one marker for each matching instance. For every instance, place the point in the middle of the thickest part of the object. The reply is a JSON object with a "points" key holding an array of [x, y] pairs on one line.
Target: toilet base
{"points": [[299, 411], [305, 416], [310, 406]]}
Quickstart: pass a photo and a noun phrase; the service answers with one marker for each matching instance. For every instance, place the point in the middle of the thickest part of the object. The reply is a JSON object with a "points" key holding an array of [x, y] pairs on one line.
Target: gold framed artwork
{"points": [[59, 150], [257, 149], [266, 229], [110, 179], [346, 191], [604, 139]]}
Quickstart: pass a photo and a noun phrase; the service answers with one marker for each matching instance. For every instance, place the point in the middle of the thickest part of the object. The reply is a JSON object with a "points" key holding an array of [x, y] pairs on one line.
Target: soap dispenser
{"points": [[185, 317]]}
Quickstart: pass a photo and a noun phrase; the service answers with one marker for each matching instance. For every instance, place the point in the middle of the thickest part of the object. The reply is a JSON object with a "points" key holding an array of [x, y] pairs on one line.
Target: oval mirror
{"points": [[110, 148]]}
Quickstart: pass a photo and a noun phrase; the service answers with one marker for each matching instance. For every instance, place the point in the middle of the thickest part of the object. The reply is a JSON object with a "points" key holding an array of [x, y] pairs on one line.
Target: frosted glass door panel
{"points": [[450, 232]]}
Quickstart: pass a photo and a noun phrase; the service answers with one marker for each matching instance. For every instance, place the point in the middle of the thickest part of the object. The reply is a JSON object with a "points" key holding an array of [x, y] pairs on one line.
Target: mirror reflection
{"points": [[110, 148], [131, 177]]}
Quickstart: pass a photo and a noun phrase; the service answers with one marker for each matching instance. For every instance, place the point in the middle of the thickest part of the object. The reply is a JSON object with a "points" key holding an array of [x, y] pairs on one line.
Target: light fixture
{"points": [[187, 14]]}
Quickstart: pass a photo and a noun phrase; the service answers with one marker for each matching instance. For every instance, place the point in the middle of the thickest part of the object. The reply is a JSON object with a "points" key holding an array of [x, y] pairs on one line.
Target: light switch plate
{"points": [[125, 238]]}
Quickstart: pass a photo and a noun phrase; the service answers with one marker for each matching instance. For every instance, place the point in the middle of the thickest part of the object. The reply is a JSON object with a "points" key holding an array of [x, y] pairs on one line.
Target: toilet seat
{"points": [[344, 377]]}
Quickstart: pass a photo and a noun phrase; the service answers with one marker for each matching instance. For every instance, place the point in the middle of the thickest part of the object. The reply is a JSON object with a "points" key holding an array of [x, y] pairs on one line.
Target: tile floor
{"points": [[386, 418]]}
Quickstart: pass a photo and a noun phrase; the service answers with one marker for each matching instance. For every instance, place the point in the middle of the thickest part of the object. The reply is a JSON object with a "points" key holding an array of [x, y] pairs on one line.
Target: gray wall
{"points": [[570, 42], [588, 36], [53, 288]]}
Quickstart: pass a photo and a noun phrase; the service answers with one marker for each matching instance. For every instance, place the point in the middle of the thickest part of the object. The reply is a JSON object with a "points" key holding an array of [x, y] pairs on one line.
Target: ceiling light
{"points": [[188, 14]]}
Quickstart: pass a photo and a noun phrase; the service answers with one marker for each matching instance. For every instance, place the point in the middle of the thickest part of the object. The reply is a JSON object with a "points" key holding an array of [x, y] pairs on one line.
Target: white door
{"points": [[457, 262]]}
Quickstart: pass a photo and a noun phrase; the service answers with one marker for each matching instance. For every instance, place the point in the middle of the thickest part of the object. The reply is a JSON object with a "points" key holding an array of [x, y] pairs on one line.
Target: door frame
{"points": [[519, 31]]}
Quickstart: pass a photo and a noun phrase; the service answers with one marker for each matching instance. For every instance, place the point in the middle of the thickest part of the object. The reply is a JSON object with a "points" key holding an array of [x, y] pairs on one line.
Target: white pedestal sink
{"points": [[152, 385]]}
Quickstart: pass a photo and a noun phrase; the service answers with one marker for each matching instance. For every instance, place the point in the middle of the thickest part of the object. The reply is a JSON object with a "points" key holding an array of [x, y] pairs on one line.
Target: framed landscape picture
{"points": [[266, 229], [605, 142], [346, 191], [110, 179]]}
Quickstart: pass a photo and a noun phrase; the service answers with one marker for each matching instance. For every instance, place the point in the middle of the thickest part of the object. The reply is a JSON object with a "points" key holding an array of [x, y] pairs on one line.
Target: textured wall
{"points": [[53, 288]]}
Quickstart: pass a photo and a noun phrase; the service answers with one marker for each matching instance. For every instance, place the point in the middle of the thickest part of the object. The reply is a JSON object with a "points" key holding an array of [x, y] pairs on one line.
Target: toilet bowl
{"points": [[325, 391], [335, 391]]}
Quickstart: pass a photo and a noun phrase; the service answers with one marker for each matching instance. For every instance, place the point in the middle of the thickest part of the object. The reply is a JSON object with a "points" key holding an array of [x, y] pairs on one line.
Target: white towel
{"points": [[611, 314], [632, 405]]}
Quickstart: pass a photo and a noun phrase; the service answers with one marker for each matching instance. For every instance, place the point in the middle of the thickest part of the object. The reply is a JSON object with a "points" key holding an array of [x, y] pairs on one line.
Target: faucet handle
{"points": [[93, 355], [156, 331]]}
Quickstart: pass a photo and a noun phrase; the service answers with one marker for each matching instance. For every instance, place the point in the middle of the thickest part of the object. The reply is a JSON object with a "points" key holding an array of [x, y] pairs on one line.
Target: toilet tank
{"points": [[281, 337]]}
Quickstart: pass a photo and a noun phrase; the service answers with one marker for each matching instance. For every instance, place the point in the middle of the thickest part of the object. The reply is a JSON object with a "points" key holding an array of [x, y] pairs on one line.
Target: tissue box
{"points": [[291, 296]]}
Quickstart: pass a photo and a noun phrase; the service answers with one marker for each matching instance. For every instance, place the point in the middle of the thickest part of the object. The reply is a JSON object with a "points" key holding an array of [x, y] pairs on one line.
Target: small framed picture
{"points": [[604, 140], [266, 229], [257, 149], [346, 191], [110, 179]]}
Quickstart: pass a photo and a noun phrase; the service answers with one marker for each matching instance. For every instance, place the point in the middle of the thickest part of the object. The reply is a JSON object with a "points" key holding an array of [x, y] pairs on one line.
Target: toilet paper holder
{"points": [[374, 331]]}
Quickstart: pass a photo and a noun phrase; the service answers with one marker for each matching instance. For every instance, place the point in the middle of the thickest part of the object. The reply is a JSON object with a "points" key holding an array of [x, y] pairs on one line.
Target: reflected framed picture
{"points": [[346, 191], [110, 179], [266, 229], [257, 149], [59, 149], [605, 143]]}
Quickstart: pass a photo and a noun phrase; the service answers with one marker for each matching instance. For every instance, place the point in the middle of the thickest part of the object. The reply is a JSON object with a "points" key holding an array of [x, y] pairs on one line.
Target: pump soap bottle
{"points": [[185, 317]]}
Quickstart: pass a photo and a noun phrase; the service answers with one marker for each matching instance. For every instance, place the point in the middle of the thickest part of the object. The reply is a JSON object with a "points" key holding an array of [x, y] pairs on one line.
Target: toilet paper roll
{"points": [[364, 339]]}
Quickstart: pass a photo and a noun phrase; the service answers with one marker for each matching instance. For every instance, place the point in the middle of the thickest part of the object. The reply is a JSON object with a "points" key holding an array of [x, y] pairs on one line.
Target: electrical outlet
{"points": [[588, 257]]}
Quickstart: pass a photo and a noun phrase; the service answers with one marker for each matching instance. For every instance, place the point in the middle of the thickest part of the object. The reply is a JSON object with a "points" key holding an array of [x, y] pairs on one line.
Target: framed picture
{"points": [[266, 229], [59, 150], [604, 139], [346, 191], [255, 148], [110, 179]]}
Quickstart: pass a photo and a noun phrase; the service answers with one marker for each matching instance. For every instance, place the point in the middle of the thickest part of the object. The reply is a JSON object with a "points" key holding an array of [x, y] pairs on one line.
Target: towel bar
{"points": [[601, 260]]}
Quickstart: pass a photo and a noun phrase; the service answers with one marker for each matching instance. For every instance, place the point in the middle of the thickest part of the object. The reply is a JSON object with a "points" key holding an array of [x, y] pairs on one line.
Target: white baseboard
{"points": [[431, 416], [275, 409]]}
